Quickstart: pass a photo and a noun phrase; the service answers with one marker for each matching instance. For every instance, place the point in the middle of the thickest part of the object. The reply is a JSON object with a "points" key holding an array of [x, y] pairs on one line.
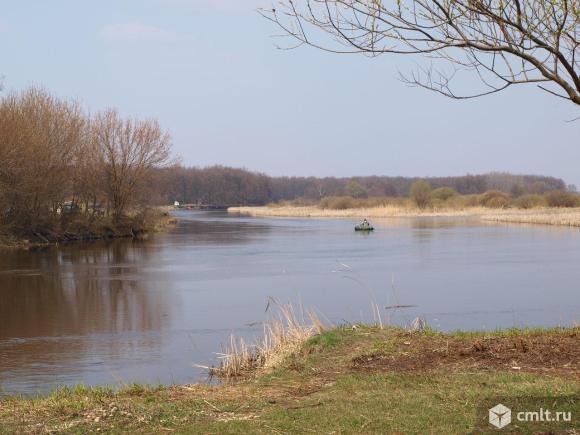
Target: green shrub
{"points": [[444, 193], [471, 200], [355, 189], [559, 198], [421, 193], [457, 202], [495, 199], [529, 201]]}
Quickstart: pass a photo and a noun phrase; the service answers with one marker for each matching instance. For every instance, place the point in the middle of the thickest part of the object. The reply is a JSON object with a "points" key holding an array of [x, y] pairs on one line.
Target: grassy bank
{"points": [[136, 225], [544, 216], [345, 380]]}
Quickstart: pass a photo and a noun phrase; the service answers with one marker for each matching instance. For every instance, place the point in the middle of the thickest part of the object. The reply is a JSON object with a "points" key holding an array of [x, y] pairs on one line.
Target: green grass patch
{"points": [[325, 339]]}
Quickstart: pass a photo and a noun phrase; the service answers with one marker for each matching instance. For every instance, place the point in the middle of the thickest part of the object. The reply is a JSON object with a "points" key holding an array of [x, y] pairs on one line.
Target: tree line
{"points": [[214, 186], [423, 196], [224, 186], [60, 164]]}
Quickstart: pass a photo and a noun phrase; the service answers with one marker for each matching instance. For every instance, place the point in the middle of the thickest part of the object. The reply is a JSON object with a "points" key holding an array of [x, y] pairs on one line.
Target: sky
{"points": [[210, 72]]}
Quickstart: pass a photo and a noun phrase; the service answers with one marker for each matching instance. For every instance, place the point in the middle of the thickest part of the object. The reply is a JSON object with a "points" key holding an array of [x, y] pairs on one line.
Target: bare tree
{"points": [[503, 42], [89, 172], [130, 149], [39, 137], [58, 165]]}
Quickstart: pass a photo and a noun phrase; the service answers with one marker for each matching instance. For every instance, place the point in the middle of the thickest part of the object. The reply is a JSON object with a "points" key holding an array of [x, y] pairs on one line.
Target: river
{"points": [[149, 311]]}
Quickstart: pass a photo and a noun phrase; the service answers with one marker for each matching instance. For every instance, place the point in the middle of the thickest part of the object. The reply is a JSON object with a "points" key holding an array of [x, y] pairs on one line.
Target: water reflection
{"points": [[55, 292], [50, 300], [218, 229]]}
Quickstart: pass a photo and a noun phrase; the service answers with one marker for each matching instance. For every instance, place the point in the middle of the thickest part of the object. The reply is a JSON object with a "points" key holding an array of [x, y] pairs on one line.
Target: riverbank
{"points": [[346, 380], [137, 226], [544, 216]]}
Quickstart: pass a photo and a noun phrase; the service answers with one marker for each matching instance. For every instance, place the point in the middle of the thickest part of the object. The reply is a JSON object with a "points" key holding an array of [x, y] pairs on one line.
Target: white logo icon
{"points": [[500, 416]]}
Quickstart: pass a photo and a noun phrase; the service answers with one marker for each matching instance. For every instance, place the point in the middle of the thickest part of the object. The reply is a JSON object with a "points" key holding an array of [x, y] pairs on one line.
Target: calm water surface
{"points": [[128, 311]]}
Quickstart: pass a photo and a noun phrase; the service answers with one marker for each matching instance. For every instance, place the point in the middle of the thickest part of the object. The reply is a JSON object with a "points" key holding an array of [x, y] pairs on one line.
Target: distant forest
{"points": [[224, 186]]}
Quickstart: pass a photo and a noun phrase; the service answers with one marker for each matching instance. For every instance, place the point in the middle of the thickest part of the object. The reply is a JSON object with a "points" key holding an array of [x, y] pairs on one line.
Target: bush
{"points": [[529, 201], [421, 193], [457, 202], [471, 200], [444, 193], [559, 198], [355, 189], [495, 199], [517, 190]]}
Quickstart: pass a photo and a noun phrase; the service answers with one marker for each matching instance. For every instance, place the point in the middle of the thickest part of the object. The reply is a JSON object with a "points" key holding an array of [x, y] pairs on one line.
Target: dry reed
{"points": [[559, 216], [376, 212], [284, 335], [545, 216]]}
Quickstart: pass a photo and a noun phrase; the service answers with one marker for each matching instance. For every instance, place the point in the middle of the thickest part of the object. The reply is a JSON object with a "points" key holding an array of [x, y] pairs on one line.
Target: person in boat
{"points": [[364, 226]]}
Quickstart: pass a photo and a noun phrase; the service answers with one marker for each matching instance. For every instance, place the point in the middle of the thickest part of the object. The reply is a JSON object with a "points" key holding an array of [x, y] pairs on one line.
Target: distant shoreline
{"points": [[542, 216]]}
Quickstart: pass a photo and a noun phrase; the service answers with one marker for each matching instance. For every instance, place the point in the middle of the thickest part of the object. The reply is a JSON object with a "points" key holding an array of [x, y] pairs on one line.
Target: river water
{"points": [[148, 311]]}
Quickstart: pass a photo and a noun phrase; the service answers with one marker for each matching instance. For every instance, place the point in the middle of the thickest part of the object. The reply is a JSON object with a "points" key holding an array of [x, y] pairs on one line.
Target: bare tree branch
{"points": [[503, 42]]}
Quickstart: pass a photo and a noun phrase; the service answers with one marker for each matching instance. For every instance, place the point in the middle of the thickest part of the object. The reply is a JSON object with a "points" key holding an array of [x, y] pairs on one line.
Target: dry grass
{"points": [[545, 216], [563, 217], [554, 353], [373, 212], [285, 333]]}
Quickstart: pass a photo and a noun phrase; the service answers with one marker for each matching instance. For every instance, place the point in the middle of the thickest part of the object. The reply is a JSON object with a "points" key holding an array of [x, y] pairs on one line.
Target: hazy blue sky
{"points": [[208, 70]]}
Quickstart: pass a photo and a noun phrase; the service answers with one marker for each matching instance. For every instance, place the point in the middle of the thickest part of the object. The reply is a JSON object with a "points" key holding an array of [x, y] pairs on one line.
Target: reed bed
{"points": [[285, 333], [372, 212], [541, 216], [560, 217]]}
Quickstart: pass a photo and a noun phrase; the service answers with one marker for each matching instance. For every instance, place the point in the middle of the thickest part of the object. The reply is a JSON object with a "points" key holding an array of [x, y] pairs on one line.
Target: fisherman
{"points": [[364, 226]]}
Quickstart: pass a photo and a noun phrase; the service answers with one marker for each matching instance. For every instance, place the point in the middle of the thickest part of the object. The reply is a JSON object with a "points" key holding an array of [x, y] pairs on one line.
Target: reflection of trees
{"points": [[194, 229], [54, 297]]}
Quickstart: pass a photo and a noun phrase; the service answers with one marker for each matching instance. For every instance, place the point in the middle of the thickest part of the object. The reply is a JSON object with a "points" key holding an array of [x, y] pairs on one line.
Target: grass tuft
{"points": [[285, 333], [325, 339]]}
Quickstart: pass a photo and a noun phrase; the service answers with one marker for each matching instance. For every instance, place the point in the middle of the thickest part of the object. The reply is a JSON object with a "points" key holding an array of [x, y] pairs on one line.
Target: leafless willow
{"points": [[502, 42], [60, 167], [129, 149], [39, 139]]}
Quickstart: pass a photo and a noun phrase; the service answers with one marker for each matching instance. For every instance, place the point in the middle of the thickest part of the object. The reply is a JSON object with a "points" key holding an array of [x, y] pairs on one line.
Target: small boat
{"points": [[364, 226]]}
